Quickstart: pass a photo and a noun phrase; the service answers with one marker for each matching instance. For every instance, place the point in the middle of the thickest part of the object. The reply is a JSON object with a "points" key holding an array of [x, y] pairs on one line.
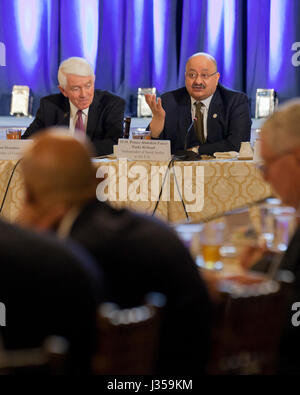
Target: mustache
{"points": [[202, 86]]}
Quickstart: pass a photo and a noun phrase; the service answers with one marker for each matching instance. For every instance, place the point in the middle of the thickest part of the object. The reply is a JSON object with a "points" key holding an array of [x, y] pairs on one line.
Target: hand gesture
{"points": [[155, 106], [158, 120]]}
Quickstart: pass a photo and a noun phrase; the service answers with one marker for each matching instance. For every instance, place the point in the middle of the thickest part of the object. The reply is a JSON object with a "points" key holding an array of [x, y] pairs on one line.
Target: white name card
{"points": [[139, 149], [12, 149]]}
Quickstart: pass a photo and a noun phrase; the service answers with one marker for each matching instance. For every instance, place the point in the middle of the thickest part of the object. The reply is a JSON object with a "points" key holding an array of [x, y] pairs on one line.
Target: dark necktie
{"points": [[79, 123], [199, 128]]}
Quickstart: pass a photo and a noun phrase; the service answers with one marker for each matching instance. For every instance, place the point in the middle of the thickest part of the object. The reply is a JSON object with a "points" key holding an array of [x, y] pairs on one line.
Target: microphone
{"points": [[185, 154], [188, 131]]}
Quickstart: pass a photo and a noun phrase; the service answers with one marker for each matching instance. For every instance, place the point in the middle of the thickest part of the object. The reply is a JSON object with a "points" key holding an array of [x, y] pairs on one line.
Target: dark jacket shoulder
{"points": [[230, 94], [107, 96], [177, 95]]}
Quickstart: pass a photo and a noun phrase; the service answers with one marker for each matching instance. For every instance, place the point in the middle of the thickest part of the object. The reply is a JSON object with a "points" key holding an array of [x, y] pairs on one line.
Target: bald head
{"points": [[57, 169], [202, 57]]}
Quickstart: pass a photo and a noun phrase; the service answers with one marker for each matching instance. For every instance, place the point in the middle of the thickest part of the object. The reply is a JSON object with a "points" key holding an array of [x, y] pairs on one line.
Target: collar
{"points": [[67, 222], [74, 109], [205, 102]]}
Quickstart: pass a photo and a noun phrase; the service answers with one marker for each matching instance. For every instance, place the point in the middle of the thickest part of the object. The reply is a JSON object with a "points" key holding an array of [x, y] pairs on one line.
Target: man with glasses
{"points": [[280, 151], [220, 117]]}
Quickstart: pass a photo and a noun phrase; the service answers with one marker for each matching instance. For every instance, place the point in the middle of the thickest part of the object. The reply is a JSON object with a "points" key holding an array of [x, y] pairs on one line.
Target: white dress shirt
{"points": [[204, 110]]}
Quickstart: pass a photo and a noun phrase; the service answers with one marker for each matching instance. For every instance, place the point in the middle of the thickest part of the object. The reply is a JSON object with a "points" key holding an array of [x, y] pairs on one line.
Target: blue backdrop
{"points": [[143, 43]]}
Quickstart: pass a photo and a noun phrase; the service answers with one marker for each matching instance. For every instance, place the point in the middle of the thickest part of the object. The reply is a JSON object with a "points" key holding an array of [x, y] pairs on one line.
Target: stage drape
{"points": [[145, 43]]}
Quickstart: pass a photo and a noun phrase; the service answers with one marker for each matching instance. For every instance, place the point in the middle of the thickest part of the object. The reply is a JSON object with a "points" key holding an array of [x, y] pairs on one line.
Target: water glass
{"points": [[189, 234], [284, 223], [267, 221]]}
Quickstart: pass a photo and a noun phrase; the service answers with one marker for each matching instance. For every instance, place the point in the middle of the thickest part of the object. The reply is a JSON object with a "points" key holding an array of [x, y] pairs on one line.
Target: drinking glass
{"points": [[141, 134], [212, 239], [189, 234], [267, 221], [284, 225], [13, 134]]}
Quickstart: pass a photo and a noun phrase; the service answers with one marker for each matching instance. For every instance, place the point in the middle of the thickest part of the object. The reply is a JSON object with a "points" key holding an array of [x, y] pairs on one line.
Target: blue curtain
{"points": [[145, 43]]}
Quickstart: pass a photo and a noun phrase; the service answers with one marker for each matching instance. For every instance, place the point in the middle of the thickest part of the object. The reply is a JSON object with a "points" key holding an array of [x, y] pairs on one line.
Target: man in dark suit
{"points": [[95, 113], [140, 254], [221, 116], [48, 288], [280, 150]]}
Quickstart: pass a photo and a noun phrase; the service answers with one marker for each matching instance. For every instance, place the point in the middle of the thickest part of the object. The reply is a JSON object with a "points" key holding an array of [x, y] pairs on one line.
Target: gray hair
{"points": [[76, 66], [281, 130], [206, 55]]}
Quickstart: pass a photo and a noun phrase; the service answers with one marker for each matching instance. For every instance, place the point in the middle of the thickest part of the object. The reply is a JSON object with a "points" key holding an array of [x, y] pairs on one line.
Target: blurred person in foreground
{"points": [[221, 115], [280, 151], [94, 113], [139, 254], [48, 288]]}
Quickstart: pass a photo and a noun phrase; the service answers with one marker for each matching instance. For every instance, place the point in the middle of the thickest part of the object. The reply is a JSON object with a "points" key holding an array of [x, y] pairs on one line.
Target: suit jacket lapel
{"points": [[215, 114], [64, 115], [94, 112]]}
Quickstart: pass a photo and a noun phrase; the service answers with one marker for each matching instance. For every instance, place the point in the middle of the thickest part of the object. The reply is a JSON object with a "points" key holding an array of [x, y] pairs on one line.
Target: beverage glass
{"points": [[189, 234], [141, 134], [267, 221], [13, 134], [212, 239], [284, 224]]}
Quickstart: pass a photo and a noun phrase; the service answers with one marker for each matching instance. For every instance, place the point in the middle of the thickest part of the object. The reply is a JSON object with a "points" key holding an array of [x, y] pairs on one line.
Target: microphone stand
{"points": [[185, 155]]}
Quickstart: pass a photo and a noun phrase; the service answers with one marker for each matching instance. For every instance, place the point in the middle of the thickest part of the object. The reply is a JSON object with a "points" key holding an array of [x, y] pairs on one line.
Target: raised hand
{"points": [[158, 120]]}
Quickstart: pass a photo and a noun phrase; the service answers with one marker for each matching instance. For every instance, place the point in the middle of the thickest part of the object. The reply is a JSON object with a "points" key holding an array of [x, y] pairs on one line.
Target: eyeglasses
{"points": [[193, 75], [263, 167]]}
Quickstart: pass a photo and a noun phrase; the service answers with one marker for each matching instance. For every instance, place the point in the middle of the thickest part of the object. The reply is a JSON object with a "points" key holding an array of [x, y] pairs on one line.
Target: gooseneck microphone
{"points": [[188, 131], [185, 154]]}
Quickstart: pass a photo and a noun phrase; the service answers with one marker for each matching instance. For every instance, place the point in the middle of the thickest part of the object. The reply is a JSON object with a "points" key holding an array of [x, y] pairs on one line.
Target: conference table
{"points": [[198, 190]]}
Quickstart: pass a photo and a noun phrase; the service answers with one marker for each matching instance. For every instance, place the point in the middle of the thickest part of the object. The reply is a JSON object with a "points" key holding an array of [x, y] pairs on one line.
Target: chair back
{"points": [[128, 338], [248, 324]]}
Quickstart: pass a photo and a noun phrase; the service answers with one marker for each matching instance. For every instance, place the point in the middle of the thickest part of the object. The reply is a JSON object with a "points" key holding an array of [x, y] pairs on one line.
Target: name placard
{"points": [[138, 149], [12, 149]]}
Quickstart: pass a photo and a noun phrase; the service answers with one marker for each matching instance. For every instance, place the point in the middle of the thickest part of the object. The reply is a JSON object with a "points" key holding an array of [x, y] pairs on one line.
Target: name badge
{"points": [[138, 149], [12, 149]]}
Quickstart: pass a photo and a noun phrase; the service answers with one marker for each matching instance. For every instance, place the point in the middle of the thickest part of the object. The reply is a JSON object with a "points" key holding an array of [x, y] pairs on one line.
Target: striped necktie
{"points": [[198, 124]]}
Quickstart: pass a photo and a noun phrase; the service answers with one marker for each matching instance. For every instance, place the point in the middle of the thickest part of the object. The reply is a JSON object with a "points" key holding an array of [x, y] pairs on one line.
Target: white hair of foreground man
{"points": [[282, 129], [75, 65]]}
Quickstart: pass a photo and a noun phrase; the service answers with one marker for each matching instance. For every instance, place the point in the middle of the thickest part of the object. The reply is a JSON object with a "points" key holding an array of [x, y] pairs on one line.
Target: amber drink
{"points": [[212, 238]]}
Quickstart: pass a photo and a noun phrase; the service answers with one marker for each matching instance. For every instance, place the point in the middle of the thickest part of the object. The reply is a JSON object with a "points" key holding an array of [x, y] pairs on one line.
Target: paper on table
{"points": [[226, 155]]}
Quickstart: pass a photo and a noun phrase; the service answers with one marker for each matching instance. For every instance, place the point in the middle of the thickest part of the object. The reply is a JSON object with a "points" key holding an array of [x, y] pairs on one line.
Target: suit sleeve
{"points": [[112, 126], [37, 124], [238, 129]]}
